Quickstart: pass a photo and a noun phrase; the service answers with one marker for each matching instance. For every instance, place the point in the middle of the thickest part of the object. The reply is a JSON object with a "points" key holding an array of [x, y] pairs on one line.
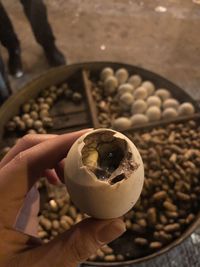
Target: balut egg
{"points": [[149, 86], [106, 72], [135, 80], [186, 109], [163, 94], [171, 103], [121, 75], [154, 101], [121, 123], [169, 113], [153, 113], [140, 93], [110, 85], [104, 174], [139, 106], [125, 88]]}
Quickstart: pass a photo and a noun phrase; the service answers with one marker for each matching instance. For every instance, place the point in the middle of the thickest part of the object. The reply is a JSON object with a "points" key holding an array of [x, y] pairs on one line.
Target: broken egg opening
{"points": [[107, 157], [104, 173]]}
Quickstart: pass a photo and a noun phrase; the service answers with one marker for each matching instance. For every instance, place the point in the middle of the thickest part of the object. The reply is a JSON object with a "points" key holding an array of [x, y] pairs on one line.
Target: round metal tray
{"points": [[12, 106]]}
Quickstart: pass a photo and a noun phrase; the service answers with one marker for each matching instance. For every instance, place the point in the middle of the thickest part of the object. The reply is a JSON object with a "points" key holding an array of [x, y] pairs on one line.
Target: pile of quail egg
{"points": [[140, 101]]}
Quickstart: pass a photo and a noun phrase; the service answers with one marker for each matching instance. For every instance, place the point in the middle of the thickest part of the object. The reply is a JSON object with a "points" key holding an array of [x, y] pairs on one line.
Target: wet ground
{"points": [[160, 35]]}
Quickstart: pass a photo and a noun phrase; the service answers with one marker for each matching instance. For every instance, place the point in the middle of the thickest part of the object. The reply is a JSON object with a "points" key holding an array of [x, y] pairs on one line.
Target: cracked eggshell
{"points": [[98, 198]]}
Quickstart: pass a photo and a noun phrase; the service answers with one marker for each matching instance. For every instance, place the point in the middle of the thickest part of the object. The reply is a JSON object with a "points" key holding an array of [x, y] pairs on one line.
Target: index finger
{"points": [[18, 176]]}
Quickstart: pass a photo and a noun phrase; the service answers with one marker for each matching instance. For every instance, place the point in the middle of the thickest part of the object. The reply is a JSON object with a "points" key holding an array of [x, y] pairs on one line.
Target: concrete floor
{"points": [[131, 31]]}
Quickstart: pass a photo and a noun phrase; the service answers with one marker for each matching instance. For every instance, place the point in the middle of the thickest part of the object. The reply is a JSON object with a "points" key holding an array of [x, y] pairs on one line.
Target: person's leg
{"points": [[9, 39], [36, 13], [5, 90]]}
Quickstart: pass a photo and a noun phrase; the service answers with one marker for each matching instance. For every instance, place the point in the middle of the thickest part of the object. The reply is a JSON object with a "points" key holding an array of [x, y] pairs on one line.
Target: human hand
{"points": [[32, 157]]}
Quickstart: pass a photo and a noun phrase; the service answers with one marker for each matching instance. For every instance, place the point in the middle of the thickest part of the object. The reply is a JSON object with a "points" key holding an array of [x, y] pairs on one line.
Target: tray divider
{"points": [[90, 100]]}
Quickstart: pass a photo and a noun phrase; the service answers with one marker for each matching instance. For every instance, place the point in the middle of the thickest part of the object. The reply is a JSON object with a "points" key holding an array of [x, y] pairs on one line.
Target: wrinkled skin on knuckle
{"points": [[26, 140]]}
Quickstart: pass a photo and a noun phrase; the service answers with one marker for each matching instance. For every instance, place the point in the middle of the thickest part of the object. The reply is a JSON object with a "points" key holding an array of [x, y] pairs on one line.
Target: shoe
{"points": [[54, 56], [15, 64]]}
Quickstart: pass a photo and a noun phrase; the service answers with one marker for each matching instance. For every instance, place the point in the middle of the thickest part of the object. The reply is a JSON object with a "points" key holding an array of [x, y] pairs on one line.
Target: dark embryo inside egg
{"points": [[108, 156]]}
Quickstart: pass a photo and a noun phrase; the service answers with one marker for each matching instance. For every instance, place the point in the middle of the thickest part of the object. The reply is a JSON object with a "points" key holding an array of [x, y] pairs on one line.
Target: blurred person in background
{"points": [[36, 13]]}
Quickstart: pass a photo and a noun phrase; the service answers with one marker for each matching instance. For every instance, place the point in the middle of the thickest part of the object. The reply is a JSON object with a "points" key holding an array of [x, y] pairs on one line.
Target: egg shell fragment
{"points": [[98, 198]]}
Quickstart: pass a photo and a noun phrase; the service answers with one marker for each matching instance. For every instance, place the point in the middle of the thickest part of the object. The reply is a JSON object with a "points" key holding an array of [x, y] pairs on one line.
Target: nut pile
{"points": [[34, 116], [171, 193], [169, 201], [125, 101]]}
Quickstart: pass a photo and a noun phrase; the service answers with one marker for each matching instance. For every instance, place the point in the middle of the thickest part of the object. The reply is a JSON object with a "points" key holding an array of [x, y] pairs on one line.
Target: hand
{"points": [[32, 157]]}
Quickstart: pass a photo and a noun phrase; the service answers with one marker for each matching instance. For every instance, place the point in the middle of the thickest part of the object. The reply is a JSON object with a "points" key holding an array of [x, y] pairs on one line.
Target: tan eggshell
{"points": [[169, 113], [139, 119], [154, 101], [110, 85], [186, 109], [121, 123], [125, 88], [106, 72], [121, 75], [140, 93], [126, 99], [98, 198], [139, 106], [149, 86], [153, 113], [163, 94], [135, 80], [171, 103]]}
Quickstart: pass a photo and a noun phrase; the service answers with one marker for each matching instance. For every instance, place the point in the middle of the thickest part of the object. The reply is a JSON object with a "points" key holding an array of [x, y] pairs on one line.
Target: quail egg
{"points": [[104, 174]]}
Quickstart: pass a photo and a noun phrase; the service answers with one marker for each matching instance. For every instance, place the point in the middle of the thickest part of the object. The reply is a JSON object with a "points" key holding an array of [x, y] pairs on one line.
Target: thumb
{"points": [[75, 245]]}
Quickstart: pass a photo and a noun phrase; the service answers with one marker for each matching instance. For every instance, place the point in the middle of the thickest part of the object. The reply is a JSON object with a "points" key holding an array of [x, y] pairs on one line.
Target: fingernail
{"points": [[111, 231]]}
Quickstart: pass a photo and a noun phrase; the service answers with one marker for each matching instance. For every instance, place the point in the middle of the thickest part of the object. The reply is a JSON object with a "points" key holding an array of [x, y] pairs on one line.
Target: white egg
{"points": [[140, 93], [135, 80], [121, 123], [186, 109], [126, 99], [149, 86], [110, 85], [104, 174], [153, 113], [154, 101], [106, 72], [139, 119], [125, 88], [138, 106], [121, 75], [163, 94], [171, 103], [169, 113]]}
